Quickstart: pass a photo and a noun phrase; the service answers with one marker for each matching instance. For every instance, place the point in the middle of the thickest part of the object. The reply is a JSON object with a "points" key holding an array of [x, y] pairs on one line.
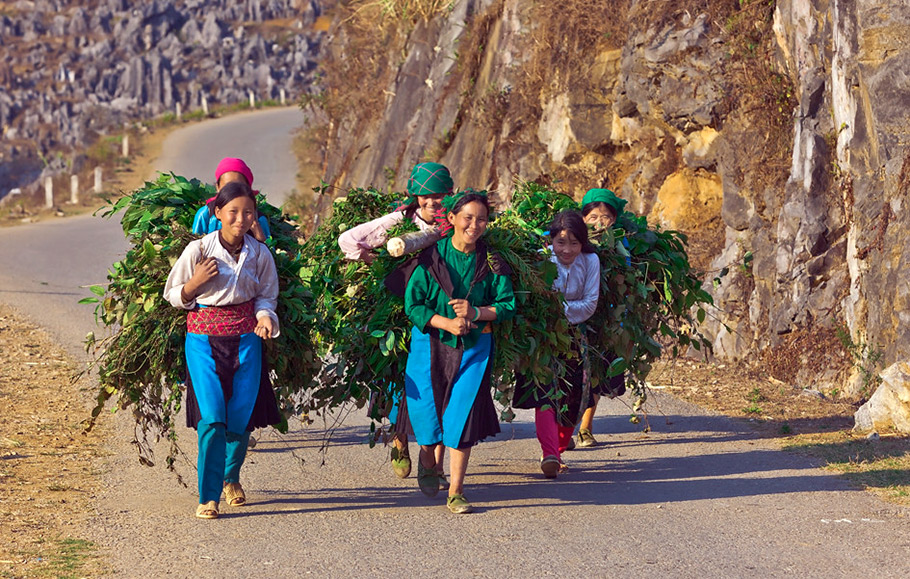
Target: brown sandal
{"points": [[207, 510], [234, 495]]}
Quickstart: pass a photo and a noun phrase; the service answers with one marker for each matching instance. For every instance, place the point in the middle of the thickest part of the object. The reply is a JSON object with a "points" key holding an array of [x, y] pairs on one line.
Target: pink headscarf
{"points": [[231, 164]]}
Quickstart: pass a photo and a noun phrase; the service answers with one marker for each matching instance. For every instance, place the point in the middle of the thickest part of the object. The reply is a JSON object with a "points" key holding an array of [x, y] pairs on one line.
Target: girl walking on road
{"points": [[600, 209], [453, 291], [228, 282], [578, 280], [428, 184]]}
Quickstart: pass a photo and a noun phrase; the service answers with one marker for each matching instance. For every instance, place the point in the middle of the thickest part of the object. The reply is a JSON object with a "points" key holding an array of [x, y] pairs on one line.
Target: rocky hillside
{"points": [[773, 133], [74, 70]]}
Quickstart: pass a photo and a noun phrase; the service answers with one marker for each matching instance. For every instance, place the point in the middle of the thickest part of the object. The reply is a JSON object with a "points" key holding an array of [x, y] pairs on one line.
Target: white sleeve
{"points": [[180, 274], [356, 242], [266, 301], [578, 311]]}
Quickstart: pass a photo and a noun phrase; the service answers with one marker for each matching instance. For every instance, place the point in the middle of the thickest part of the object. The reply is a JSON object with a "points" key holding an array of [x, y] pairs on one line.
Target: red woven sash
{"points": [[222, 320]]}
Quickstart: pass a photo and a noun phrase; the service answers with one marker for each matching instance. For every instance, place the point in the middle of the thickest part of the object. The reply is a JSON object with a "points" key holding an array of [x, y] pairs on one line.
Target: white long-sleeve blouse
{"points": [[358, 241], [252, 276], [579, 284]]}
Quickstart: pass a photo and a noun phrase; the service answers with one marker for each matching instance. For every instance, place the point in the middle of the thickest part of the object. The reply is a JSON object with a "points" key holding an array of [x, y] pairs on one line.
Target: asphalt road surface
{"points": [[698, 496]]}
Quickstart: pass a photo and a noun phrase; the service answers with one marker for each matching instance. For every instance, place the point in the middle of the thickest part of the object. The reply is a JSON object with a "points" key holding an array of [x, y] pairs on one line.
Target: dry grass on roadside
{"points": [[48, 468], [774, 407], [804, 422], [879, 465]]}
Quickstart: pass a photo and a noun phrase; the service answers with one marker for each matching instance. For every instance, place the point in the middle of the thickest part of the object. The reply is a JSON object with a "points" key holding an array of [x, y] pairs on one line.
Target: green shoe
{"points": [[401, 463], [459, 505], [443, 482], [586, 439], [427, 480]]}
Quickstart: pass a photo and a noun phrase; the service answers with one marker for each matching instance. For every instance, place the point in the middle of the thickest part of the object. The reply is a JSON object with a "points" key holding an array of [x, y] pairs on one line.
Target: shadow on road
{"points": [[689, 458]]}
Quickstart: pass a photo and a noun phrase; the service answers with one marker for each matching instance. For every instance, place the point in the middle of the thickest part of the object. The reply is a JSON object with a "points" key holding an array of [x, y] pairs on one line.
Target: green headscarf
{"points": [[604, 196], [449, 203], [429, 179]]}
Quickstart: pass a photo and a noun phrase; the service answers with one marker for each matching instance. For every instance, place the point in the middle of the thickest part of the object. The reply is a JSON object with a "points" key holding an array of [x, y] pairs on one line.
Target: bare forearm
{"points": [[440, 322], [189, 292], [487, 313]]}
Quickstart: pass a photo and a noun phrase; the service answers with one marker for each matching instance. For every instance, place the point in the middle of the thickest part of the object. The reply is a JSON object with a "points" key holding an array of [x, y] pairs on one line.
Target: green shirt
{"points": [[424, 297]]}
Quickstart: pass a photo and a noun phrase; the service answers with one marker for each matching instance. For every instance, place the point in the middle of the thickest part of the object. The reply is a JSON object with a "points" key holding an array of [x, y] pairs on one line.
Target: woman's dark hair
{"points": [[572, 222], [589, 207], [470, 198], [230, 192], [410, 209]]}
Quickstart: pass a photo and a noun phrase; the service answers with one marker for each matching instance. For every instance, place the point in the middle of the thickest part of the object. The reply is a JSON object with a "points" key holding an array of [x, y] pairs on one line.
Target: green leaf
{"points": [[390, 341]]}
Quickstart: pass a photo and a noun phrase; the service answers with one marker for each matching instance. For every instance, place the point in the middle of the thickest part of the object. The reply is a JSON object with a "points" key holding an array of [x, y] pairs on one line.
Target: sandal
{"points": [[443, 482], [401, 462], [207, 510], [234, 495], [459, 505], [427, 480], [550, 466]]}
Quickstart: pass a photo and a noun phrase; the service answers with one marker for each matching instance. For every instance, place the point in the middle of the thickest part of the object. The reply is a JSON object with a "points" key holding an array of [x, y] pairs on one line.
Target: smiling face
{"points": [[236, 217], [429, 205], [469, 223], [601, 217], [566, 247]]}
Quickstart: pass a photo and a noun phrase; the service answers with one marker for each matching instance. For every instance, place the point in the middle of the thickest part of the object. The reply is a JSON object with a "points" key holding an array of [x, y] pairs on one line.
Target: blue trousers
{"points": [[225, 373], [221, 454]]}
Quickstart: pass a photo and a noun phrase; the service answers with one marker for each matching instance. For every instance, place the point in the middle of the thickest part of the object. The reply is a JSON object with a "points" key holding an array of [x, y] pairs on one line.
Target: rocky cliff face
{"points": [[773, 133], [73, 70]]}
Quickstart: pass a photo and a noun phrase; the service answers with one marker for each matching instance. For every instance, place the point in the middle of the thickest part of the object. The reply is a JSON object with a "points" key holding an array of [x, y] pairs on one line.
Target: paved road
{"points": [[698, 496], [263, 139], [46, 267]]}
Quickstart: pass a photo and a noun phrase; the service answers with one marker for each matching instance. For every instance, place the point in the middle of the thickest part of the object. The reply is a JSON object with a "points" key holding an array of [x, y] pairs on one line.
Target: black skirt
{"points": [[566, 396], [265, 410]]}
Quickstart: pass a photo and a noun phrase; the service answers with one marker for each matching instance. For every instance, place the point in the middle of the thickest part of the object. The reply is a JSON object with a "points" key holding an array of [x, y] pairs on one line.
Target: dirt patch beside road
{"points": [[775, 407], [48, 468]]}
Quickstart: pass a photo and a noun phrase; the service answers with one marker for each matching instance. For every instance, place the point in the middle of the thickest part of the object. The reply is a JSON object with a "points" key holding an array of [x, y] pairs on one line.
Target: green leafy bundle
{"points": [[362, 332], [141, 363], [648, 292], [345, 337]]}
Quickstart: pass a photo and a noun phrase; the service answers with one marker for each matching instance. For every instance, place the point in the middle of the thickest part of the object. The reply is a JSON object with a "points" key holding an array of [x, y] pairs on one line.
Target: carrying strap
{"points": [[397, 281]]}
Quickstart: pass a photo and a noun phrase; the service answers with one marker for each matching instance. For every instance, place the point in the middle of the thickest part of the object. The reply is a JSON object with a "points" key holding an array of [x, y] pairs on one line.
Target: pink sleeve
{"points": [[358, 241]]}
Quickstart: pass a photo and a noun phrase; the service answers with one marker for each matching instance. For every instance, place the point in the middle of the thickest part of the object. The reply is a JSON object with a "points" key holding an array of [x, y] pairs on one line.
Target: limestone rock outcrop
{"points": [[74, 70], [776, 131], [889, 407]]}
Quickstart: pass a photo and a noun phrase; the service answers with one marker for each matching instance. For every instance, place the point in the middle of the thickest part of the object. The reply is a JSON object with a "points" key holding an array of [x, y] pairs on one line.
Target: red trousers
{"points": [[553, 438]]}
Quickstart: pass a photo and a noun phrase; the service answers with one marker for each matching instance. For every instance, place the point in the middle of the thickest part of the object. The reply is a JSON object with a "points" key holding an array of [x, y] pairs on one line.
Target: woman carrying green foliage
{"points": [[230, 170], [453, 291], [558, 404], [228, 282], [428, 184], [600, 209]]}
